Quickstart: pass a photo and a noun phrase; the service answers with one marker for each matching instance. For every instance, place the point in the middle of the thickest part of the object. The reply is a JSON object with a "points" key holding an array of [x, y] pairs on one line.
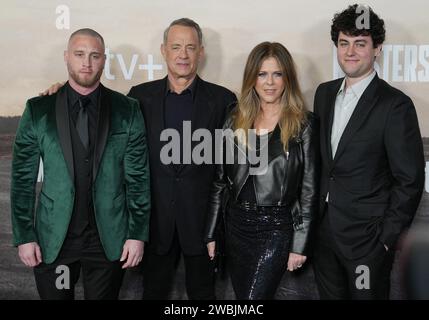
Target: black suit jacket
{"points": [[376, 179], [180, 197]]}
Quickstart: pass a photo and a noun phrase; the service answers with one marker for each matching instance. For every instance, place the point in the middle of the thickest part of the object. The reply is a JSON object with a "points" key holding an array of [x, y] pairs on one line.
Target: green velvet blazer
{"points": [[121, 186]]}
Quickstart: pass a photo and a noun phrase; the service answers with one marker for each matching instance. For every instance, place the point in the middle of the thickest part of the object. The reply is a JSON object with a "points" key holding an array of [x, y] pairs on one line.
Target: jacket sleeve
{"points": [[308, 203], [404, 148], [215, 203], [25, 166], [218, 190], [137, 180]]}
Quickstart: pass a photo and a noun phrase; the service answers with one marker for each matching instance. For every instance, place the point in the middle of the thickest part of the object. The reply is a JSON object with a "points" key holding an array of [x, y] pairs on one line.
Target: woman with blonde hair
{"points": [[268, 211]]}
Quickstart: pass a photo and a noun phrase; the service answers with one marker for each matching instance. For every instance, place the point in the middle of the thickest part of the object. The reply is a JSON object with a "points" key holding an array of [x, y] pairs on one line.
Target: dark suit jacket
{"points": [[376, 179], [180, 198], [120, 190]]}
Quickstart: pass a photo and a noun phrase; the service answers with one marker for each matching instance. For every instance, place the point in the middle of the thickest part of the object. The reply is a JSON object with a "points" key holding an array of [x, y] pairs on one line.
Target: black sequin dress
{"points": [[258, 241]]}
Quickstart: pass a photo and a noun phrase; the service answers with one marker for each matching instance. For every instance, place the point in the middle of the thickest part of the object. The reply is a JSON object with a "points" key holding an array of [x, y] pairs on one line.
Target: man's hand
{"points": [[211, 248], [30, 254], [132, 252], [295, 261], [52, 89]]}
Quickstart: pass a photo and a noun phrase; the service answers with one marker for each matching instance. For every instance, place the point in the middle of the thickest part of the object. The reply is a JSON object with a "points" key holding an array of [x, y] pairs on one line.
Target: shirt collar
{"points": [[74, 96], [358, 88], [191, 88]]}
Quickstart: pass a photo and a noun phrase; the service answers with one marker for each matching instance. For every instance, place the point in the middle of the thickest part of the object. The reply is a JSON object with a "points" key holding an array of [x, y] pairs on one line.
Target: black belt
{"points": [[253, 206], [246, 205]]}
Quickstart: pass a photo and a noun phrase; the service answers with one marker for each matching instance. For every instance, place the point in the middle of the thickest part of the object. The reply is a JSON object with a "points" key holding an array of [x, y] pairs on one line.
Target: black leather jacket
{"points": [[291, 180]]}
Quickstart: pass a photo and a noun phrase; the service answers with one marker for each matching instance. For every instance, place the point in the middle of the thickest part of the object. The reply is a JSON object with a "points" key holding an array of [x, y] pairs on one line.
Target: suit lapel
{"points": [[102, 128], [359, 115], [329, 119], [202, 107], [157, 100], [155, 109], [63, 129]]}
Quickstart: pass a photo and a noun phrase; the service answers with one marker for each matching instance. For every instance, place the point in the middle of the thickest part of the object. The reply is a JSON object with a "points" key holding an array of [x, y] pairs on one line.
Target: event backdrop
{"points": [[34, 35]]}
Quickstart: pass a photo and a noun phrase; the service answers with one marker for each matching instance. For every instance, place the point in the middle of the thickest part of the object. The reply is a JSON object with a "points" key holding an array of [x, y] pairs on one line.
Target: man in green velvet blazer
{"points": [[93, 210]]}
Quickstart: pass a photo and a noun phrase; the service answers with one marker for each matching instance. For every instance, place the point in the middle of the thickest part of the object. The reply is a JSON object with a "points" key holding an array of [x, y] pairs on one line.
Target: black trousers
{"points": [[258, 243], [102, 278], [159, 271], [366, 278]]}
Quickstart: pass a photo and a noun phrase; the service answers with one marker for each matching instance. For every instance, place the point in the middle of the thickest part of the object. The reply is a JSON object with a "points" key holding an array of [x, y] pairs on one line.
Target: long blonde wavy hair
{"points": [[293, 110]]}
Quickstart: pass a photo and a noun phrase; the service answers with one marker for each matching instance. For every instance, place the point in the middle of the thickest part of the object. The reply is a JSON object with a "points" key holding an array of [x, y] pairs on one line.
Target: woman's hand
{"points": [[211, 249], [295, 261]]}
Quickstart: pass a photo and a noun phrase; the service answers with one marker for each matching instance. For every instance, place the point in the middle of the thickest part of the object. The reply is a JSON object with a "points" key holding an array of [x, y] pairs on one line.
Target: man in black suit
{"points": [[373, 166], [180, 191]]}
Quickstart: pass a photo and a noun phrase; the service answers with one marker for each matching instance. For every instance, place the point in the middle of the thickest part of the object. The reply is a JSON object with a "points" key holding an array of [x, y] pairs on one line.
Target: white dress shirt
{"points": [[345, 104]]}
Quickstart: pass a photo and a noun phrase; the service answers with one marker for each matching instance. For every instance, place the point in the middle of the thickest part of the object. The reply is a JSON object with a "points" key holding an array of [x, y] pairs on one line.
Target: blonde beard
{"points": [[89, 82]]}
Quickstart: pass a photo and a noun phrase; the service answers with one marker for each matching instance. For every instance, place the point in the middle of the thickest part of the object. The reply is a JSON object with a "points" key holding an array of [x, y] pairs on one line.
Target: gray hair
{"points": [[185, 22]]}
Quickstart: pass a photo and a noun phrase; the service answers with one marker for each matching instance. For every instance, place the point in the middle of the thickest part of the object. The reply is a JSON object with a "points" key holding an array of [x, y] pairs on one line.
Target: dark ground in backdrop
{"points": [[17, 281]]}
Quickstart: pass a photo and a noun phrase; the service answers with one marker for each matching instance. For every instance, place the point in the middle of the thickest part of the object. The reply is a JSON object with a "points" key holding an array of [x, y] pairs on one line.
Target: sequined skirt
{"points": [[257, 244]]}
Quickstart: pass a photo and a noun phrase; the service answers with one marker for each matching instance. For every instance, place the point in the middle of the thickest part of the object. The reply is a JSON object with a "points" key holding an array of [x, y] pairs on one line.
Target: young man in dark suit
{"points": [[94, 206], [372, 165], [180, 192]]}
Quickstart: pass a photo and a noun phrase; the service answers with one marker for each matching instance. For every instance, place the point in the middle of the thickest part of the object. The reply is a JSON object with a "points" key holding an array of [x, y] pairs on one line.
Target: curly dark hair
{"points": [[346, 22]]}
